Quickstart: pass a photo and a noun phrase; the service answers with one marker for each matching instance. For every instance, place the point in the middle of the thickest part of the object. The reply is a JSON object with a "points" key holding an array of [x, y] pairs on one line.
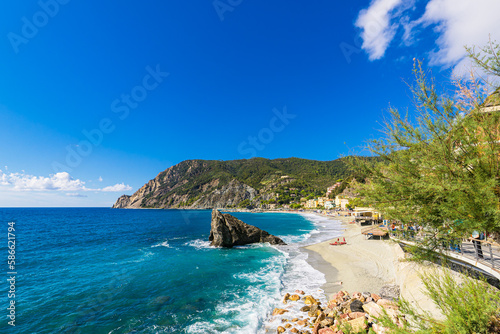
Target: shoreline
{"points": [[361, 264], [368, 265]]}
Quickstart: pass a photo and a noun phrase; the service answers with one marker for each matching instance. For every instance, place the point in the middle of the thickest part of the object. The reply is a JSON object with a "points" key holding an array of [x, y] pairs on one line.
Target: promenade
{"points": [[467, 254]]}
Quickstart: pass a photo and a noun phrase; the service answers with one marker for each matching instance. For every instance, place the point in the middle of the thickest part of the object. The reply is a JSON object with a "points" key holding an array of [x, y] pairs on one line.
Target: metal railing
{"points": [[481, 251]]}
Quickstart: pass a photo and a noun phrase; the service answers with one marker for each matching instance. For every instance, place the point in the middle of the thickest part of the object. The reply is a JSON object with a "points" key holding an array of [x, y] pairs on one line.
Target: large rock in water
{"points": [[228, 231]]}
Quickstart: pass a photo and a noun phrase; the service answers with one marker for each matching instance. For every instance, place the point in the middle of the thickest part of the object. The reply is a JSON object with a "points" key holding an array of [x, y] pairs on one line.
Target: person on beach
{"points": [[393, 229]]}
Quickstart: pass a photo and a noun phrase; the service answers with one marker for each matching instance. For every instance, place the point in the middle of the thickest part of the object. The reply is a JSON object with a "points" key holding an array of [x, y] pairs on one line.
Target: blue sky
{"points": [[98, 98]]}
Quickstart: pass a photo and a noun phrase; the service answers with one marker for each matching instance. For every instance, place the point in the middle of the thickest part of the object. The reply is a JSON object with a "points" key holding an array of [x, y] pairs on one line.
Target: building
{"points": [[329, 205], [312, 204], [322, 200], [366, 212], [341, 202], [331, 188]]}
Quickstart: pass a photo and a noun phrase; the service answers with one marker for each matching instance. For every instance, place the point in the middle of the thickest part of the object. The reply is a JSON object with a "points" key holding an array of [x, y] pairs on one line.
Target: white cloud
{"points": [[456, 22], [460, 23], [56, 182], [100, 178], [117, 187], [75, 195], [377, 30], [59, 181]]}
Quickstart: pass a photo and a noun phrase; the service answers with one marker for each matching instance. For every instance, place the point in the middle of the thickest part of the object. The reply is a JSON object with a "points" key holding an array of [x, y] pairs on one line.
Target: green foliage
{"points": [[356, 202], [300, 177], [245, 203], [443, 165], [468, 305], [189, 202], [487, 57], [441, 169]]}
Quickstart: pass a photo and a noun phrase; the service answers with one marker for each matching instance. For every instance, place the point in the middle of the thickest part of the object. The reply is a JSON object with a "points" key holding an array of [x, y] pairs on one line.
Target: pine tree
{"points": [[441, 168]]}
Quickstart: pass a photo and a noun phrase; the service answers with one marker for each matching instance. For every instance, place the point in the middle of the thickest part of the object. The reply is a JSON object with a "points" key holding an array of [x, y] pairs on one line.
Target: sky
{"points": [[98, 98]]}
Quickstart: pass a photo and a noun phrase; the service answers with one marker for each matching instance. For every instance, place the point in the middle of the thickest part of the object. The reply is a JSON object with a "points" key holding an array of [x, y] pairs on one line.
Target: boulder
{"points": [[375, 297], [331, 303], [328, 321], [355, 315], [326, 331], [385, 303], [358, 325], [356, 306], [305, 308], [302, 323], [315, 308], [390, 292], [228, 231], [279, 311], [309, 300], [373, 309]]}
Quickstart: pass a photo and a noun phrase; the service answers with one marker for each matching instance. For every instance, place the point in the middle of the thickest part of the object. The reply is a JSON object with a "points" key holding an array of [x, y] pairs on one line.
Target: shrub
{"points": [[469, 305]]}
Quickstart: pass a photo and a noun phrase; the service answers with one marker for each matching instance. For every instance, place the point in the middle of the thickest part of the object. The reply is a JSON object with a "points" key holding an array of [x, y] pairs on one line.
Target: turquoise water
{"points": [[99, 270]]}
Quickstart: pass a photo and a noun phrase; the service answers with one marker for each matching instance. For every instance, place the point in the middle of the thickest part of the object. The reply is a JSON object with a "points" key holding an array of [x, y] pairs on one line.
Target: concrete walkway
{"points": [[468, 256]]}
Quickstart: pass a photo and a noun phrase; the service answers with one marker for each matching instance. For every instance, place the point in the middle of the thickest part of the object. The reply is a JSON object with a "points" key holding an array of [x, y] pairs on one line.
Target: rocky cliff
{"points": [[206, 184], [228, 231]]}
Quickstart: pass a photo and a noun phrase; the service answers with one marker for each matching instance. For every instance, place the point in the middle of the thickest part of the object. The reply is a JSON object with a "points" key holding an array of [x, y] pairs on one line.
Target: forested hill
{"points": [[258, 182]]}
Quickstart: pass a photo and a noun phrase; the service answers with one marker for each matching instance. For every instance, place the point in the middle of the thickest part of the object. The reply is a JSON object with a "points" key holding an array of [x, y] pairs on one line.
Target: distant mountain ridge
{"points": [[257, 182]]}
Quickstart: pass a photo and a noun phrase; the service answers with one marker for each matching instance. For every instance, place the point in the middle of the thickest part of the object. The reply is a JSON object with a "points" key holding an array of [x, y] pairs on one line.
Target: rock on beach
{"points": [[357, 312]]}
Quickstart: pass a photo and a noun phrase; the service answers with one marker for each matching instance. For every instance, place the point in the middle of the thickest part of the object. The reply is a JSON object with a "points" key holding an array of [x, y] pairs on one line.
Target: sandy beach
{"points": [[367, 265]]}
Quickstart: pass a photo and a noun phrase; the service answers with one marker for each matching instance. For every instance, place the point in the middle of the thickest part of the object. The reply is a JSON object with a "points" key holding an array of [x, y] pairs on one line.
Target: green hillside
{"points": [[254, 182]]}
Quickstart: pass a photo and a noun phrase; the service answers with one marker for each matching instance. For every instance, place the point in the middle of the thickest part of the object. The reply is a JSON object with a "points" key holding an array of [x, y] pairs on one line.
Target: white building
{"points": [[341, 202]]}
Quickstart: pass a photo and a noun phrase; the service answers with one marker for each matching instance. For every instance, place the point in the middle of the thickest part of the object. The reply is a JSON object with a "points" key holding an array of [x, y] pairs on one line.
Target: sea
{"points": [[102, 270]]}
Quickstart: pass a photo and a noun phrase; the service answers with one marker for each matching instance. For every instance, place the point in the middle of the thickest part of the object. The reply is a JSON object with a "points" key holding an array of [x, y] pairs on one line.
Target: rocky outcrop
{"points": [[165, 190], [122, 202], [228, 231], [229, 195], [253, 183]]}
